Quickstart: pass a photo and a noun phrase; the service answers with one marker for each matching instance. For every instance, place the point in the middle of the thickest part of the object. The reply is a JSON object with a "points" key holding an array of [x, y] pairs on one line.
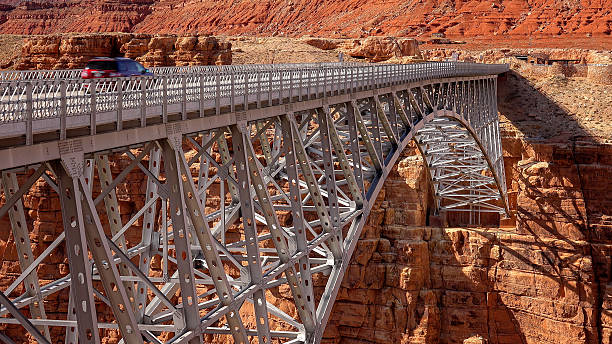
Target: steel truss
{"points": [[252, 225]]}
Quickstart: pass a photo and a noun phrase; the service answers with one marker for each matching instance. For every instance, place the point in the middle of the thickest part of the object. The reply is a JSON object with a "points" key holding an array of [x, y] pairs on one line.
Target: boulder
{"points": [[321, 43], [377, 49]]}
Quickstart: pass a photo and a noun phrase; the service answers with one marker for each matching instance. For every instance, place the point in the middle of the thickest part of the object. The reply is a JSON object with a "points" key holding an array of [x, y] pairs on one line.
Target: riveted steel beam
{"points": [[21, 236]]}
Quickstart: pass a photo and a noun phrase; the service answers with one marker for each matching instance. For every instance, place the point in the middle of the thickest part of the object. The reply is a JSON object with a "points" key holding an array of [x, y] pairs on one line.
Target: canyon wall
{"points": [[541, 277], [67, 52], [542, 281], [335, 18]]}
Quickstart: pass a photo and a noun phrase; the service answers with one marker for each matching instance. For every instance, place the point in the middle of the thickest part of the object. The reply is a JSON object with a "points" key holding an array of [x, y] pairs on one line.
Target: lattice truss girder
{"points": [[244, 231]]}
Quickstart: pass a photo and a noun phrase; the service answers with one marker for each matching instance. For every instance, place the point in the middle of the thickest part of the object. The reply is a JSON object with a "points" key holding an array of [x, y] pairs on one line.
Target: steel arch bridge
{"points": [[258, 179]]}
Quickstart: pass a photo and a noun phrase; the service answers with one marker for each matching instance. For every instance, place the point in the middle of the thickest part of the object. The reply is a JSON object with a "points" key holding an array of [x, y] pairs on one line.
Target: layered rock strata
{"points": [[346, 18]]}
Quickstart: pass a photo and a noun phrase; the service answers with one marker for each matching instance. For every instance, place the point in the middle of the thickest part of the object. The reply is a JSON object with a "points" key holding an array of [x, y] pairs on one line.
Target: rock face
{"points": [[543, 277], [346, 18], [47, 17], [377, 49], [543, 281], [59, 52]]}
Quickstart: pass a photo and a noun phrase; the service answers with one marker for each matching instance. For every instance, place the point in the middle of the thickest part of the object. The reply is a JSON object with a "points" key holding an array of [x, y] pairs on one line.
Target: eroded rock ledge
{"points": [[66, 52]]}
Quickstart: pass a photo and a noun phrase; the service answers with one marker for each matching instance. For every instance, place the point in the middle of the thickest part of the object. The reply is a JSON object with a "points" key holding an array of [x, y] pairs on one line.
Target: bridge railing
{"points": [[70, 74], [34, 100]]}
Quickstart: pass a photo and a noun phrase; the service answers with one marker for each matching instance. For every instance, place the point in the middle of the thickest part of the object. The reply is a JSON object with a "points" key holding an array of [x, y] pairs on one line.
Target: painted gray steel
{"points": [[285, 165]]}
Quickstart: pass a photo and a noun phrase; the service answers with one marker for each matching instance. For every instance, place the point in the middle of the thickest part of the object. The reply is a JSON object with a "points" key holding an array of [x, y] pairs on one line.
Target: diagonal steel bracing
{"points": [[232, 206]]}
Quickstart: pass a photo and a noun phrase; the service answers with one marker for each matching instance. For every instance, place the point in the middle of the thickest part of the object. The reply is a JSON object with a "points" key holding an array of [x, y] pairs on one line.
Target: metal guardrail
{"points": [[69, 74], [195, 88]]}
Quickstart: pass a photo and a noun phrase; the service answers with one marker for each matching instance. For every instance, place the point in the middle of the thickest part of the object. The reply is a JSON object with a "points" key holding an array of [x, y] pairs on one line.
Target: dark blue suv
{"points": [[107, 67]]}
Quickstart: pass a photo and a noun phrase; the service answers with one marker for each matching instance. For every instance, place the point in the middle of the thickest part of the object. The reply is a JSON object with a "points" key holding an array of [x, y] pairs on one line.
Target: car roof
{"points": [[102, 59], [111, 59]]}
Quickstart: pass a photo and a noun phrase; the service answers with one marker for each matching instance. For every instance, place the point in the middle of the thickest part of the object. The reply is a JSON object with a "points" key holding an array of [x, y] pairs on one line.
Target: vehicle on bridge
{"points": [[109, 67]]}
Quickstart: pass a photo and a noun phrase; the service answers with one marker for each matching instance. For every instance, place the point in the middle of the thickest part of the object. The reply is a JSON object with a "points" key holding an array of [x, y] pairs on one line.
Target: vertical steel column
{"points": [[114, 217], [365, 136], [315, 192], [402, 112], [107, 269], [71, 333], [208, 244], [250, 235], [171, 150], [280, 242], [393, 114], [375, 130], [354, 147], [23, 245], [328, 168], [76, 249], [343, 162], [148, 226], [265, 145], [380, 111], [297, 212], [225, 158]]}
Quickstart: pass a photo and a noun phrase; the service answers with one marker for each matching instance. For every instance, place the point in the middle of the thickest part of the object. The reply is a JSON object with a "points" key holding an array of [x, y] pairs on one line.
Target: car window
{"points": [[123, 66], [139, 68], [130, 66], [102, 65]]}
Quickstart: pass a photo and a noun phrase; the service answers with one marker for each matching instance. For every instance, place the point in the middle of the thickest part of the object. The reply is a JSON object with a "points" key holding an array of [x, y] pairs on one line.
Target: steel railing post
{"points": [[270, 87], [280, 88], [201, 99], [92, 116], [143, 102], [232, 92], [246, 91], [29, 113], [63, 110], [290, 86], [218, 93], [119, 104], [165, 99], [324, 83], [183, 97], [259, 90]]}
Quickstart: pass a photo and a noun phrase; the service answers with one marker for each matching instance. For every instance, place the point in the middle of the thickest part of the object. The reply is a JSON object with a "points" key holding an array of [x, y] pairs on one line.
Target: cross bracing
{"points": [[257, 182]]}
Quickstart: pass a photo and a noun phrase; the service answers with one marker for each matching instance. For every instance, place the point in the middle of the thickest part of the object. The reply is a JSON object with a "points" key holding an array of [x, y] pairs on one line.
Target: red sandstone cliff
{"points": [[336, 18]]}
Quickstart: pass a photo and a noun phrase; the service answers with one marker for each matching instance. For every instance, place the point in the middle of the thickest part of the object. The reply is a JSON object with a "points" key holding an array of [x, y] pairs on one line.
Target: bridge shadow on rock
{"points": [[558, 174]]}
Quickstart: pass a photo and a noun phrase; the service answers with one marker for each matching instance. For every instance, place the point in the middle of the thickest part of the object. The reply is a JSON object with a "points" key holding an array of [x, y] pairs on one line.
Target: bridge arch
{"points": [[253, 212]]}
